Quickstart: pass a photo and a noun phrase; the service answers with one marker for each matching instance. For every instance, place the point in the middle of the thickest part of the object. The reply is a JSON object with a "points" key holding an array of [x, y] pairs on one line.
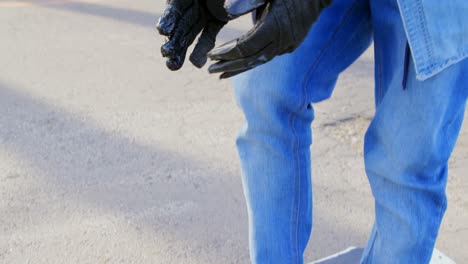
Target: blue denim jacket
{"points": [[437, 33]]}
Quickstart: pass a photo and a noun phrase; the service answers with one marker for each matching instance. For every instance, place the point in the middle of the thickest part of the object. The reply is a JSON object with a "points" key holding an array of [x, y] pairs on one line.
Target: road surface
{"points": [[107, 157]]}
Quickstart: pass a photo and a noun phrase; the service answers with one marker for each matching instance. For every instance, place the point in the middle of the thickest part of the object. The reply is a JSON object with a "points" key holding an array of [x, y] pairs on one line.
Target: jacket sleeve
{"points": [[437, 33]]}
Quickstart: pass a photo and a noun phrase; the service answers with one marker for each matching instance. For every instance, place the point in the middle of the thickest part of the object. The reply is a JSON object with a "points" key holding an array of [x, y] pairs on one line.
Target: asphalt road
{"points": [[107, 157]]}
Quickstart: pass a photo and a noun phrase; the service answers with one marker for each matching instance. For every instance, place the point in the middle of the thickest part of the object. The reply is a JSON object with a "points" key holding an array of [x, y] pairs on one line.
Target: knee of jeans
{"points": [[407, 178], [276, 116], [320, 89], [272, 102], [406, 157]]}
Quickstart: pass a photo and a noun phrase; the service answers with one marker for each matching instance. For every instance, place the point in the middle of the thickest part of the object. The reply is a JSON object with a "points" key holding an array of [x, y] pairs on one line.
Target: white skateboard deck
{"points": [[352, 255]]}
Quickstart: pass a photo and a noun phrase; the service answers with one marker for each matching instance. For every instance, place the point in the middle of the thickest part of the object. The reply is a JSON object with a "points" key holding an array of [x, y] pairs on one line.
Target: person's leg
{"points": [[408, 144], [274, 144]]}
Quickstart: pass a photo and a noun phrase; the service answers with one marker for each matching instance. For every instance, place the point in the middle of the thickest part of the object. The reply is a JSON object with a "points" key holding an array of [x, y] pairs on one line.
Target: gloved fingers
{"points": [[236, 8], [246, 46], [242, 64], [175, 49], [174, 11], [231, 74], [175, 63], [228, 50], [206, 42], [190, 25]]}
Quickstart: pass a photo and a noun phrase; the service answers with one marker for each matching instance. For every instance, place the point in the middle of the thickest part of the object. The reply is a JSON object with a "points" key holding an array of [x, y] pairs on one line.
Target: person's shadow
{"points": [[181, 200]]}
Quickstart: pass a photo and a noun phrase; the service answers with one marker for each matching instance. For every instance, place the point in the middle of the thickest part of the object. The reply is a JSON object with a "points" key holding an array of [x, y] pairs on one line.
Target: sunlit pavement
{"points": [[107, 157], [352, 255]]}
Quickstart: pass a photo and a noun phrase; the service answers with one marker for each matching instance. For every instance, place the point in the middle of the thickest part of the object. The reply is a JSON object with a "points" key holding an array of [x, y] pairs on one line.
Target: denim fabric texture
{"points": [[437, 32], [407, 145]]}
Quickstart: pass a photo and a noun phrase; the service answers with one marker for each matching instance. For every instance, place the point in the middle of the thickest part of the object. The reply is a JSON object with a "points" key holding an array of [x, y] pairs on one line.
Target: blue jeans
{"points": [[407, 145]]}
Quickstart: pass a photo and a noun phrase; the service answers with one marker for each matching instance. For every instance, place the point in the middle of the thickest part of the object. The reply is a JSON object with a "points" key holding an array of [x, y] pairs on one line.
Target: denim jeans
{"points": [[407, 145]]}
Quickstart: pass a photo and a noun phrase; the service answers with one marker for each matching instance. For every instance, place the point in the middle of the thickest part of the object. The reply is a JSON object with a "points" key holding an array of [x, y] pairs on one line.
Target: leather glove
{"points": [[182, 21], [280, 27]]}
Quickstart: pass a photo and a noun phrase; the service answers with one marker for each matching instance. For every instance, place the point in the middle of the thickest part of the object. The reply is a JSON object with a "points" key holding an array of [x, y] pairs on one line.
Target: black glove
{"points": [[280, 27], [182, 21]]}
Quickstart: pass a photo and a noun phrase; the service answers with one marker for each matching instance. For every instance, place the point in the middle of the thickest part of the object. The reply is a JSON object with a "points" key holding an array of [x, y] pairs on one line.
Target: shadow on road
{"points": [[125, 15], [146, 185], [184, 201]]}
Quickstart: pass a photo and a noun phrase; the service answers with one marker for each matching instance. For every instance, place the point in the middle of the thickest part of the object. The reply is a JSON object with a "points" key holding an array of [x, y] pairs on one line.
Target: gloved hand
{"points": [[182, 21], [280, 27]]}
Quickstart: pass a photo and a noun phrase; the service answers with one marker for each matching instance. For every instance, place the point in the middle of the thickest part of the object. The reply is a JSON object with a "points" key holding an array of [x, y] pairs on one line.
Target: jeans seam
{"points": [[344, 50], [294, 230], [379, 73], [314, 65], [374, 238]]}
